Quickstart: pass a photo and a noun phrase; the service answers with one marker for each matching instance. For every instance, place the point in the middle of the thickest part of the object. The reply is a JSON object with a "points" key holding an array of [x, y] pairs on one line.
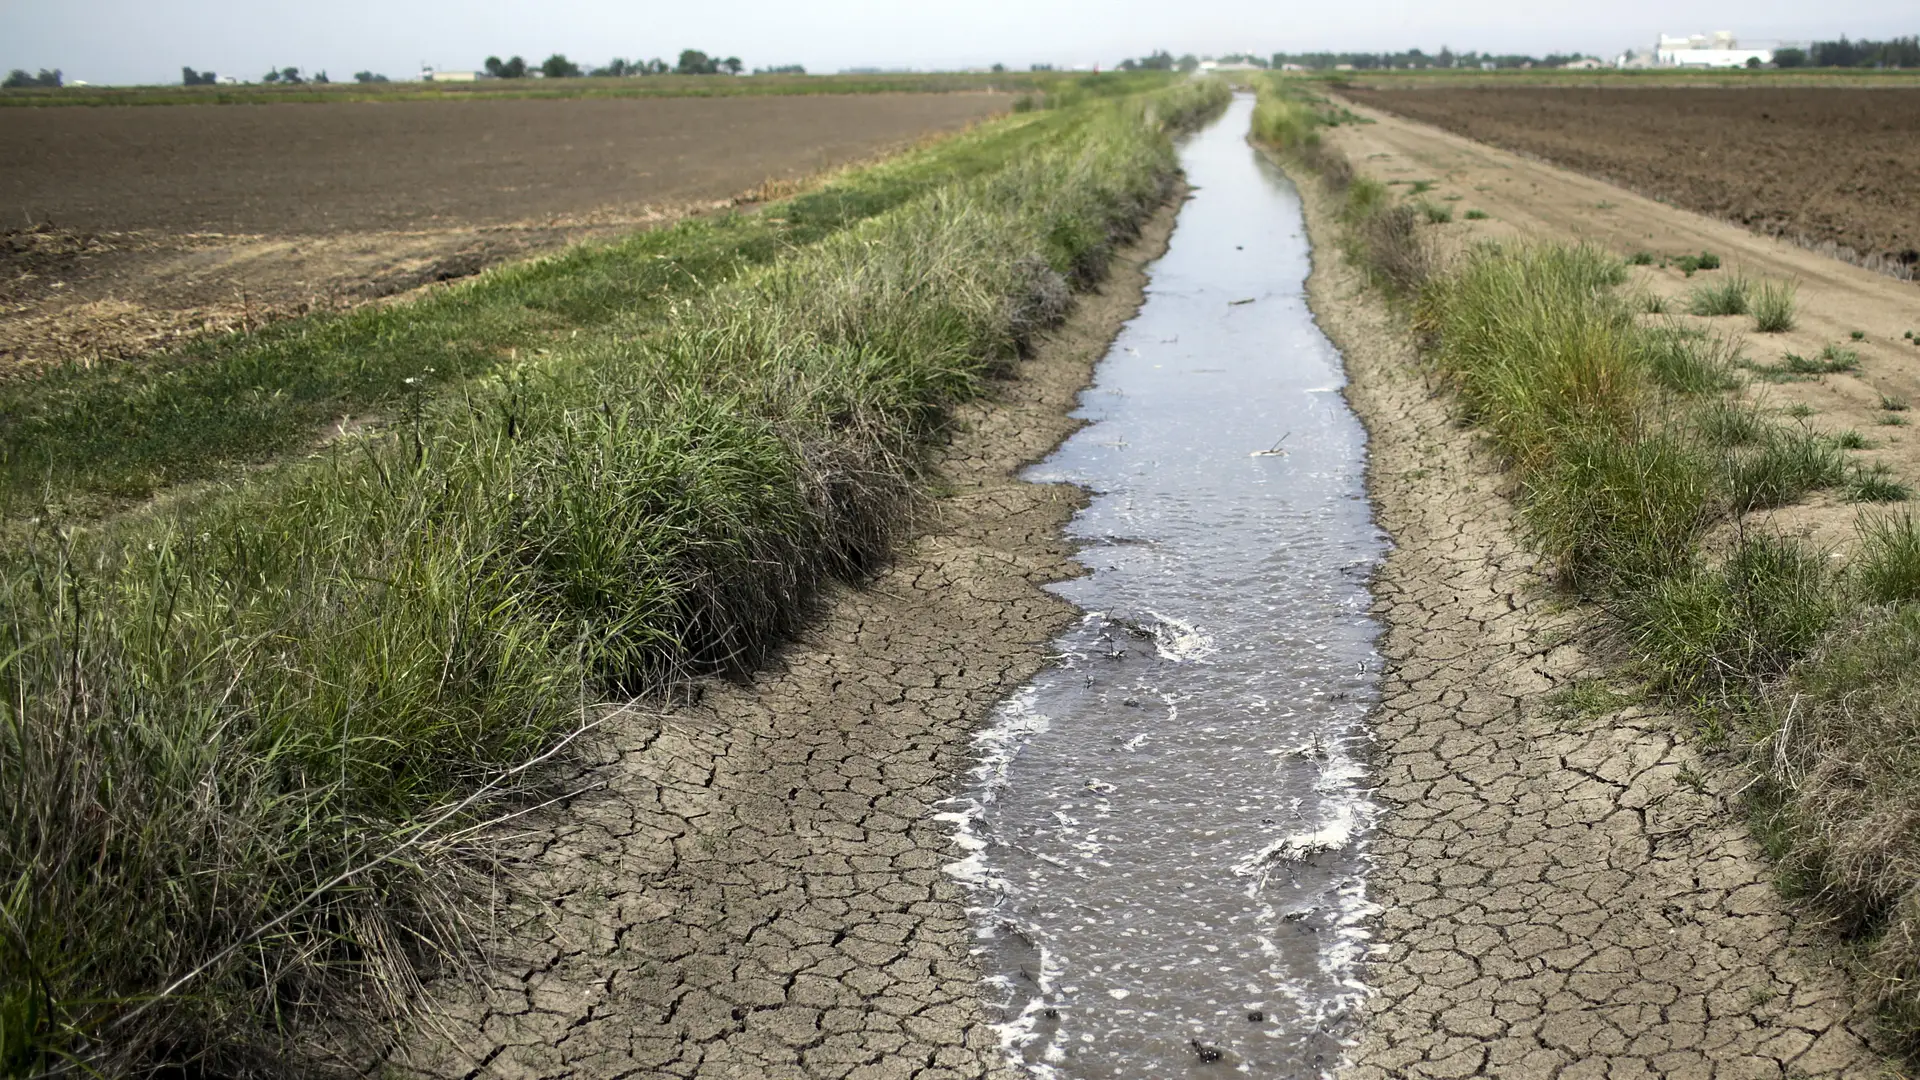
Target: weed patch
{"points": [[1729, 297], [1773, 307]]}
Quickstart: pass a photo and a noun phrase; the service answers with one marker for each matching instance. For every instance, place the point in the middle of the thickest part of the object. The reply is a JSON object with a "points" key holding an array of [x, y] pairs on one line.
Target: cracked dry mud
{"points": [[755, 889], [1562, 897]]}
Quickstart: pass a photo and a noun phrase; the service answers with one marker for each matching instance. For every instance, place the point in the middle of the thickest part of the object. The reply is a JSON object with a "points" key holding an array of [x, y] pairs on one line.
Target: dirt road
{"points": [[134, 227]]}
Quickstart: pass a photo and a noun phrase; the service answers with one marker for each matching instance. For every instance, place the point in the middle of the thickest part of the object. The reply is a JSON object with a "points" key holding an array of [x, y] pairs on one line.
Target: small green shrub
{"points": [[1857, 335], [1773, 307], [1436, 215], [1796, 368], [1876, 485], [1476, 215], [1691, 264], [1730, 297], [1834, 359], [1851, 440], [1640, 258], [1365, 195]]}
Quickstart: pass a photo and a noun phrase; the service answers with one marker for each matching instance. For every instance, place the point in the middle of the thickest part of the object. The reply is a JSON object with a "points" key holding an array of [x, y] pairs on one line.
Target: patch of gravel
{"points": [[754, 887], [1562, 897]]}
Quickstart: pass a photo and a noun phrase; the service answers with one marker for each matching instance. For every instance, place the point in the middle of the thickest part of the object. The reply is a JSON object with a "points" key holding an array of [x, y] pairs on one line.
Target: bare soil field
{"points": [[1527, 199], [130, 228], [1817, 164]]}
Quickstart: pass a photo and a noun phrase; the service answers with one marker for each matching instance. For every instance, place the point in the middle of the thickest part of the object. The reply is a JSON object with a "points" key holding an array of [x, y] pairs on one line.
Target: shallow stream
{"points": [[1165, 828]]}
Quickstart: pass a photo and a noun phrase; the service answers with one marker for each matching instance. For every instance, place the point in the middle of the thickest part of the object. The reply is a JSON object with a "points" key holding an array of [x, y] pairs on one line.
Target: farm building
{"points": [[1719, 49]]}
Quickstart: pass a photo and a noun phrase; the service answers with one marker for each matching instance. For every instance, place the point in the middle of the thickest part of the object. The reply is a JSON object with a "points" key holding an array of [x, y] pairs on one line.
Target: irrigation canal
{"points": [[1165, 829]]}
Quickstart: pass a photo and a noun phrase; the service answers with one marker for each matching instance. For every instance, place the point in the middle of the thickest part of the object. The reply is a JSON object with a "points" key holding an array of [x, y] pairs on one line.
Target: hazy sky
{"points": [[126, 41]]}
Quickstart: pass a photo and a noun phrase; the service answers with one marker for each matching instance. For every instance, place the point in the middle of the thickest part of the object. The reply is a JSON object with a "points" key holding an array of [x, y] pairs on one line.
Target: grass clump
{"points": [[1730, 297], [1876, 484], [1436, 214], [1686, 361], [242, 737], [1793, 367], [1845, 767], [1640, 258], [1724, 424], [1773, 307], [1887, 569], [1786, 465], [1476, 215], [1726, 627]]}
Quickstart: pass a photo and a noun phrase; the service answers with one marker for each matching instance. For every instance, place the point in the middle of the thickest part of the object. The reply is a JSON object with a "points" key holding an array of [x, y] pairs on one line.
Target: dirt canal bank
{"points": [[1568, 887]]}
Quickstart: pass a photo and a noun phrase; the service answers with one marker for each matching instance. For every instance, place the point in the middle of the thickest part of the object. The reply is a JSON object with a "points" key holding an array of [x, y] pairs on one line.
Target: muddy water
{"points": [[1165, 828]]}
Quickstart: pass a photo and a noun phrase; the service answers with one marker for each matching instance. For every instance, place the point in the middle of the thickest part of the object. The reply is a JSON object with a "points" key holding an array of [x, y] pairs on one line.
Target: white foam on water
{"points": [[1179, 641]]}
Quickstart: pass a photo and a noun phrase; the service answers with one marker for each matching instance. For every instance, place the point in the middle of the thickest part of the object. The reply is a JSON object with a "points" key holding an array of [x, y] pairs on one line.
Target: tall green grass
{"points": [[246, 739]]}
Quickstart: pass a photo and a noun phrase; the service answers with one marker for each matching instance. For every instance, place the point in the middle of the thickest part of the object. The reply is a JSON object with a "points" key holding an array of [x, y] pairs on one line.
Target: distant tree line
{"points": [[1900, 52], [190, 77], [292, 76], [1415, 58], [1159, 60], [692, 62], [18, 78]]}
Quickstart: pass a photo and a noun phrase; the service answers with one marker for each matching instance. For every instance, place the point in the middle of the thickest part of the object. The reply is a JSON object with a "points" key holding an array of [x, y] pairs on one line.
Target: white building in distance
{"points": [[1719, 49]]}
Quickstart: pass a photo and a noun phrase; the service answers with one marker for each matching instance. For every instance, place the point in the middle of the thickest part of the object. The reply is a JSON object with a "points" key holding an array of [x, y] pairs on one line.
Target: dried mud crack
{"points": [[754, 888], [1561, 897]]}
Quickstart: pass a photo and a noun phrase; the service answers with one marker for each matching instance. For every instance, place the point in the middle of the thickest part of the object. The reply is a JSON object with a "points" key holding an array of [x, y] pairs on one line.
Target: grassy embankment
{"points": [[1637, 471], [247, 739], [651, 86], [81, 441]]}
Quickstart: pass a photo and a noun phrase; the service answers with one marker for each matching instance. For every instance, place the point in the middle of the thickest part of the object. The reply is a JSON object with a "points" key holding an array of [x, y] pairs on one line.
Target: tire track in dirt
{"points": [[1562, 897], [756, 889]]}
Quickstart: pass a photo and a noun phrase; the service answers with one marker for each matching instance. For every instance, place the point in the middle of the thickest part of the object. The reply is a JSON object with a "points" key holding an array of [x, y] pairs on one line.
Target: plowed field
{"points": [[130, 228], [1817, 164]]}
